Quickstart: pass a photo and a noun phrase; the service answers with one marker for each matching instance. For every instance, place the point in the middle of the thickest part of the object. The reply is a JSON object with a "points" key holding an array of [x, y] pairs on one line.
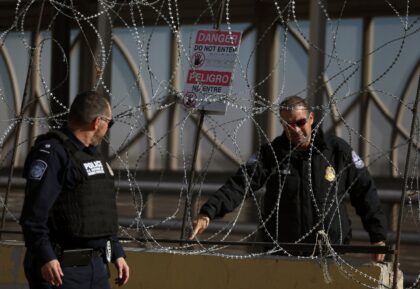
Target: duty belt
{"points": [[78, 257]]}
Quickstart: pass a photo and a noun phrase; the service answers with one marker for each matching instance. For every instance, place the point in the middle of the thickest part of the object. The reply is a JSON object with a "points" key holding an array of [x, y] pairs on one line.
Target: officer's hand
{"points": [[378, 257], [52, 273], [123, 271], [200, 224]]}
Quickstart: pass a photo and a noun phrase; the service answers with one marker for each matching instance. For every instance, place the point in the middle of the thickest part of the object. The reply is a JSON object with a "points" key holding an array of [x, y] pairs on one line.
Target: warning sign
{"points": [[219, 78], [212, 61], [217, 37]]}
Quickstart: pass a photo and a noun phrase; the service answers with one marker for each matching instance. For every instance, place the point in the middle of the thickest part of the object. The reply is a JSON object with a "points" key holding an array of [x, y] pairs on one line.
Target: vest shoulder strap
{"points": [[62, 137]]}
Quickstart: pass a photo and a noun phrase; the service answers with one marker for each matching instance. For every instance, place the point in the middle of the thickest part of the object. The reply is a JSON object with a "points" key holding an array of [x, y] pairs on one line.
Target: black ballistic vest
{"points": [[90, 210]]}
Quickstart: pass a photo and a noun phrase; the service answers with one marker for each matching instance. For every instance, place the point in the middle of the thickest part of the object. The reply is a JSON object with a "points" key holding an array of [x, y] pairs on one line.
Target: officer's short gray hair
{"points": [[292, 102], [87, 106]]}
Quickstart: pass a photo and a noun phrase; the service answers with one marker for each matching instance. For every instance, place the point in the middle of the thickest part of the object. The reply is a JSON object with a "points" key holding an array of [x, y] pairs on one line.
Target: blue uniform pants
{"points": [[92, 276]]}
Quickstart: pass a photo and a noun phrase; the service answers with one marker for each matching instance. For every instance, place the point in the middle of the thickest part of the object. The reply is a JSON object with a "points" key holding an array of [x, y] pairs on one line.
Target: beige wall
{"points": [[150, 270]]}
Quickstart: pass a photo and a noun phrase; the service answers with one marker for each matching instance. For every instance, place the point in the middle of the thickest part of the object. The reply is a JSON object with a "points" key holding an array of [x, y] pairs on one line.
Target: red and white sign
{"points": [[212, 60], [204, 77], [217, 37]]}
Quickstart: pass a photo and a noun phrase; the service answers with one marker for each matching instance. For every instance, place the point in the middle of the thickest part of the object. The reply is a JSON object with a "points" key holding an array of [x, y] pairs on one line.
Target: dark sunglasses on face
{"points": [[110, 121], [299, 123]]}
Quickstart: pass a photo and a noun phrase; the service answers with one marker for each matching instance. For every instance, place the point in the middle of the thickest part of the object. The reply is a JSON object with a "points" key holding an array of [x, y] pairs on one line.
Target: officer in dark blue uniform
{"points": [[69, 217], [306, 176]]}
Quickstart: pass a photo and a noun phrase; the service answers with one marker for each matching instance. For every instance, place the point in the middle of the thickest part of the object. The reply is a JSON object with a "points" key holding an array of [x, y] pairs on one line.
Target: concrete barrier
{"points": [[155, 270]]}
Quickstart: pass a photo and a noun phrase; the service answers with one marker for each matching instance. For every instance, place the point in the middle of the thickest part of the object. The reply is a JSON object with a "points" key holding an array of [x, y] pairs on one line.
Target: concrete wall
{"points": [[152, 270]]}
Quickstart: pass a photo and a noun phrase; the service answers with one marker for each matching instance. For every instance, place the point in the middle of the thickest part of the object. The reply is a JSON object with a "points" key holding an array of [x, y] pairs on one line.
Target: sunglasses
{"points": [[299, 123], [110, 121]]}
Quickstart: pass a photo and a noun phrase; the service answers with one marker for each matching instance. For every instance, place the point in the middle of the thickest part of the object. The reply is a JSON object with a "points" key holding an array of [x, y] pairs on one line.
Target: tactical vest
{"points": [[88, 211]]}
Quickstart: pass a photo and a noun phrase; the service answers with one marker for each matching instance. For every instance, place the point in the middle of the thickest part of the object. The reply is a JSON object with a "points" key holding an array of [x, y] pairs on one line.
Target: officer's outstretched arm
{"points": [[200, 225], [378, 257]]}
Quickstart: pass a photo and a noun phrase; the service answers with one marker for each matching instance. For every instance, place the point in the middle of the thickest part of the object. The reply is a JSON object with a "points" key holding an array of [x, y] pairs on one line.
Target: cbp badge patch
{"points": [[358, 162], [38, 168]]}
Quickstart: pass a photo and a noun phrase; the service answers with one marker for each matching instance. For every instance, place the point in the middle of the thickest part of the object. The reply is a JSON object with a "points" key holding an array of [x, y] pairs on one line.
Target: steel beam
{"points": [[366, 80], [60, 67], [266, 72], [317, 32]]}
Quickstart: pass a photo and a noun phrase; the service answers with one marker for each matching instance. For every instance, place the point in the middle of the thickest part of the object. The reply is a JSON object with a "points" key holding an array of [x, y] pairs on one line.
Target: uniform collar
{"points": [[79, 145]]}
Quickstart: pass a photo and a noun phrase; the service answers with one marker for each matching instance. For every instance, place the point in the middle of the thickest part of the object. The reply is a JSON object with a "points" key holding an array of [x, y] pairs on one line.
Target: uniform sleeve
{"points": [[44, 175], [117, 249], [249, 178], [365, 199]]}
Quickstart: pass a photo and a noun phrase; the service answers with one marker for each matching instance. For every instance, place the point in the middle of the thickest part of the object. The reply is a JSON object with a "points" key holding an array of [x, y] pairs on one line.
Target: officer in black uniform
{"points": [[69, 216], [306, 176]]}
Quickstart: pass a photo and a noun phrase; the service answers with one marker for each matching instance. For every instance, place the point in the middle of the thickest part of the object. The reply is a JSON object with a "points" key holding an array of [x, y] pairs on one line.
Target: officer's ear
{"points": [[96, 122], [311, 118]]}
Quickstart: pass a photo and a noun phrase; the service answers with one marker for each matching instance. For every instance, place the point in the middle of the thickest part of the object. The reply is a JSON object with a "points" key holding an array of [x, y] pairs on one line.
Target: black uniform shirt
{"points": [[48, 170], [300, 200]]}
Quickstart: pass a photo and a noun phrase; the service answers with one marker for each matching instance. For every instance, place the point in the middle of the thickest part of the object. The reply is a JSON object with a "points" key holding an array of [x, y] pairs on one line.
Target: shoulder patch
{"points": [[38, 168], [358, 162], [252, 160]]}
